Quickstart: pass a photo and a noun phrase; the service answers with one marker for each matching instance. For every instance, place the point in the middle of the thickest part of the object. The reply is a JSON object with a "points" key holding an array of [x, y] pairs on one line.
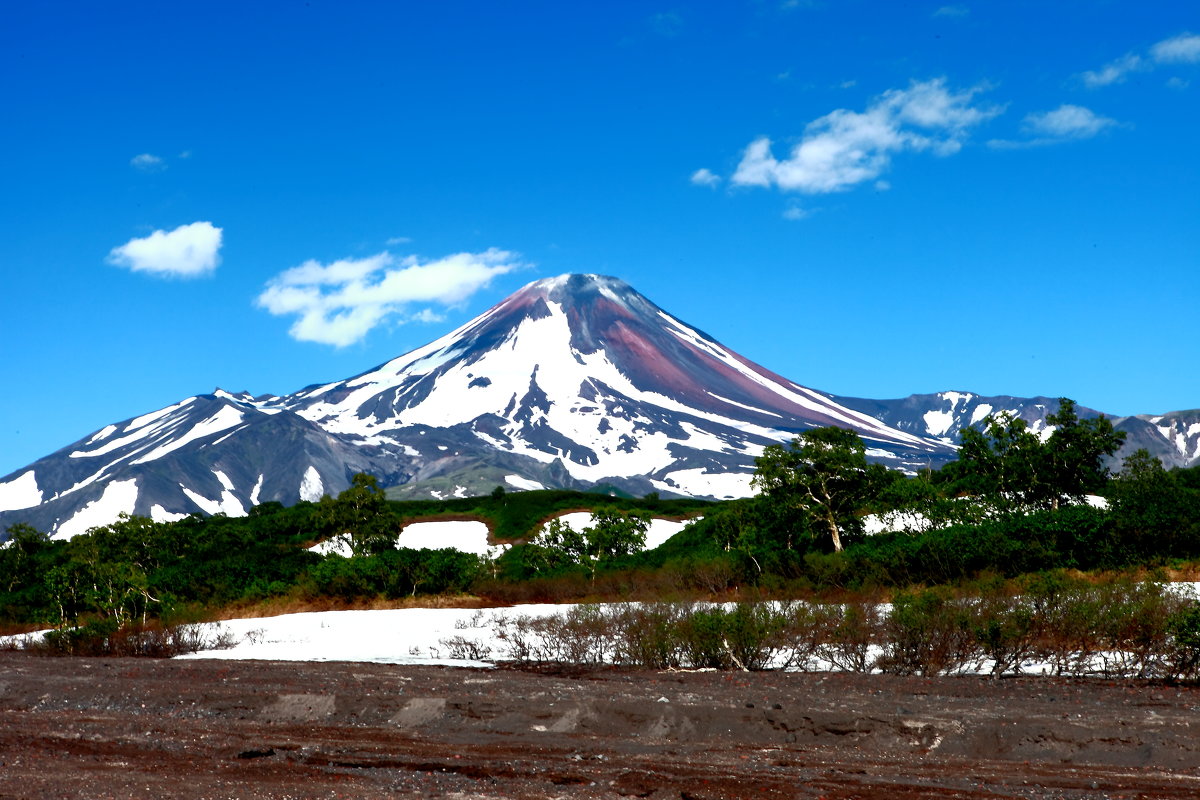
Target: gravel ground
{"points": [[122, 728]]}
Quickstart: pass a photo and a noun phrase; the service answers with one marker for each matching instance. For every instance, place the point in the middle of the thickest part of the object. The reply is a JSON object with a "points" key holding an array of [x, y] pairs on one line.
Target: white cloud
{"points": [[148, 162], [1176, 82], [1181, 49], [1114, 71], [395, 240], [428, 315], [1067, 122], [188, 251], [845, 148], [339, 303], [794, 213], [705, 177], [1064, 124]]}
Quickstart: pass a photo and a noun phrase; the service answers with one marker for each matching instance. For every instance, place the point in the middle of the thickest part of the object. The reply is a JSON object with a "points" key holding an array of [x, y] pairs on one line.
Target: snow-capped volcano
{"points": [[583, 371], [573, 381]]}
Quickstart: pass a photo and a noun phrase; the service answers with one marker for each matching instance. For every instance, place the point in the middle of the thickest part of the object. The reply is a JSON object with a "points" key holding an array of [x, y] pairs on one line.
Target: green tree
{"points": [[18, 555], [613, 533], [1012, 467], [359, 516], [1075, 454], [824, 476], [1152, 510]]}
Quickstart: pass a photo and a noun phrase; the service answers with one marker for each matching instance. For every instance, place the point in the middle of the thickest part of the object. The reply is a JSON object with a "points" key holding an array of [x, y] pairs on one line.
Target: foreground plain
{"points": [[119, 728]]}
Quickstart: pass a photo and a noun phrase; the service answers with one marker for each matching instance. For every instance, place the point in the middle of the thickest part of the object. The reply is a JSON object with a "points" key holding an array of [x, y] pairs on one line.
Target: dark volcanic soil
{"points": [[100, 728]]}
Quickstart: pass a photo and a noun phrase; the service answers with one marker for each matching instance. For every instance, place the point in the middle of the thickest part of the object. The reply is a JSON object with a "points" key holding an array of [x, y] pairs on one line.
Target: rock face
{"points": [[574, 381]]}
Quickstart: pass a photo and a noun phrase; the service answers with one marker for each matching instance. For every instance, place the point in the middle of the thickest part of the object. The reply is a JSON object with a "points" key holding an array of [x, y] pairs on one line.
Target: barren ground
{"points": [[119, 728]]}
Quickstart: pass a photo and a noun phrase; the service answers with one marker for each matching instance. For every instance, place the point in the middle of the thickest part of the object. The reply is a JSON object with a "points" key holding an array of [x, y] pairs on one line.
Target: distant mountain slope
{"points": [[1174, 437], [571, 382]]}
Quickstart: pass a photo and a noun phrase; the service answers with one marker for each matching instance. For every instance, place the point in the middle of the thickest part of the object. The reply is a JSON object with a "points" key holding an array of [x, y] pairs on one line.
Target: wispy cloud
{"points": [[1067, 122], [953, 12], [1064, 124], [148, 162], [188, 251], [669, 24], [1183, 48], [395, 240], [341, 302], [1114, 71], [845, 148], [705, 177]]}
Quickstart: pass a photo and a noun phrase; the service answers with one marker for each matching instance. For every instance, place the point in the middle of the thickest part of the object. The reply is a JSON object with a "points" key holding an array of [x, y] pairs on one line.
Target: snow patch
{"points": [[981, 411], [20, 492], [225, 418], [938, 422], [659, 531], [160, 514], [311, 487], [228, 505], [526, 484], [254, 493], [103, 433], [698, 483], [466, 536], [118, 497], [146, 419]]}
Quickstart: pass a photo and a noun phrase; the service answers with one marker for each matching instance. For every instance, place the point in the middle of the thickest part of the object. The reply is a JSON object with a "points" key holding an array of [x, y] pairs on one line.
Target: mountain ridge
{"points": [[572, 381]]}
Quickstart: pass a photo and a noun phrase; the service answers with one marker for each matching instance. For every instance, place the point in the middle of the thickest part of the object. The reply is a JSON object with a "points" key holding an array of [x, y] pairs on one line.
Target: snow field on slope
{"points": [[537, 345], [118, 496], [137, 430], [21, 492]]}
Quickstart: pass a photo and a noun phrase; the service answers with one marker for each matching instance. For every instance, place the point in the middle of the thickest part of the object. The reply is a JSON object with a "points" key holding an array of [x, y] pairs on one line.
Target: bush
{"points": [[927, 633]]}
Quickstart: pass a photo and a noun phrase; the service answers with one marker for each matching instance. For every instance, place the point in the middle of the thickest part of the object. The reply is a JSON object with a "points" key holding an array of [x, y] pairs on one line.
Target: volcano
{"points": [[576, 381]]}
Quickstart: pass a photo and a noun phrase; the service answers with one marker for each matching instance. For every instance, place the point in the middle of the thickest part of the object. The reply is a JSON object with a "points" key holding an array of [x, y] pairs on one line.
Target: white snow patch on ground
{"points": [[224, 479], [254, 493], [311, 488], [660, 529], [518, 482], [938, 422], [743, 405], [895, 521], [207, 506], [697, 482], [224, 419], [160, 514], [981, 411], [103, 433], [118, 496], [394, 636], [21, 492], [336, 545], [467, 536], [146, 419]]}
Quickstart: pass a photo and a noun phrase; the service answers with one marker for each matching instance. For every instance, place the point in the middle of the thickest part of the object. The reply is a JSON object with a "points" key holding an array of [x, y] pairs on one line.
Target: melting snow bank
{"points": [[391, 636], [480, 637]]}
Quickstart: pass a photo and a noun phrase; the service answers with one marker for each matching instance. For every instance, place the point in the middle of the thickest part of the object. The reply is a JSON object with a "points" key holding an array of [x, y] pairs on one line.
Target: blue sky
{"points": [[872, 199]]}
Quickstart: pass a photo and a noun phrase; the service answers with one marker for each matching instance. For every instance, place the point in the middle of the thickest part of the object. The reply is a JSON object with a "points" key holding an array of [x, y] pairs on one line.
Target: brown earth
{"points": [[121, 728]]}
